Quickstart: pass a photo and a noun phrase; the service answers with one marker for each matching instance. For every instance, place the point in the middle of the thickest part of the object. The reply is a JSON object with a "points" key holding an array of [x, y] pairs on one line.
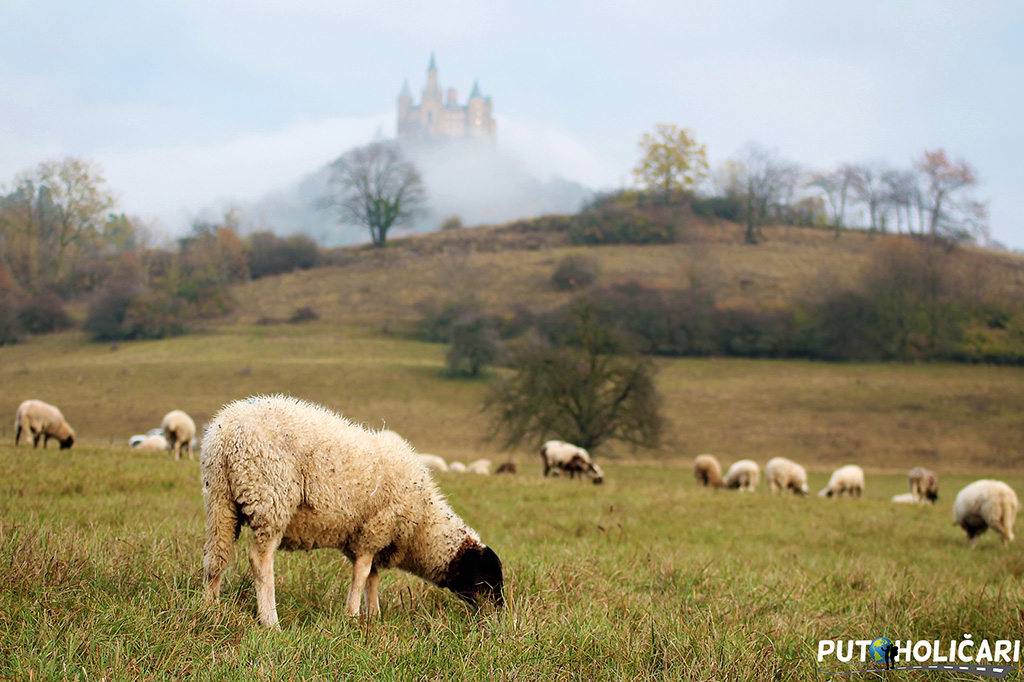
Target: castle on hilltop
{"points": [[439, 116]]}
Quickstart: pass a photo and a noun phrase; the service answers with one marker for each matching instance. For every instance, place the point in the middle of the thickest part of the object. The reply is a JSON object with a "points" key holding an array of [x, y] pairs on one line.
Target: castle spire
{"points": [[476, 90], [405, 88], [433, 64]]}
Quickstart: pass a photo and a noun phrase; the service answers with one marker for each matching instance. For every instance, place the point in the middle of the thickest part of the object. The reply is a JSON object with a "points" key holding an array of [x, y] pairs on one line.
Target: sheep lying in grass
{"points": [[986, 504], [457, 467], [846, 480], [924, 484], [179, 430], [479, 466], [155, 443], [42, 420], [707, 471], [563, 457], [786, 475], [433, 462], [905, 498], [744, 475], [303, 477]]}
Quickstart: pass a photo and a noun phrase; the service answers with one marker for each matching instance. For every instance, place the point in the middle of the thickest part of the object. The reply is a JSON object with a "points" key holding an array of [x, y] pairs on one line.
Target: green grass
{"points": [[646, 577]]}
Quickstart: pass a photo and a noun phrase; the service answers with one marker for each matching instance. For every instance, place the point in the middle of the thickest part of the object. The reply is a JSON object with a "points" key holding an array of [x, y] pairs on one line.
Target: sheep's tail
{"points": [[223, 522]]}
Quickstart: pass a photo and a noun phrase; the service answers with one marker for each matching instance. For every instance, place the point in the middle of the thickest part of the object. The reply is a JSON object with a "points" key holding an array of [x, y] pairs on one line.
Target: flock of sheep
{"points": [[979, 506], [304, 477]]}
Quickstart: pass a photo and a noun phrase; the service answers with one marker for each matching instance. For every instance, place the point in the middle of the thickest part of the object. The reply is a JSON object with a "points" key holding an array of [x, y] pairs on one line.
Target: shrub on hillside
{"points": [[623, 225], [272, 255], [121, 313], [473, 345], [43, 314], [452, 222], [575, 272], [437, 319]]}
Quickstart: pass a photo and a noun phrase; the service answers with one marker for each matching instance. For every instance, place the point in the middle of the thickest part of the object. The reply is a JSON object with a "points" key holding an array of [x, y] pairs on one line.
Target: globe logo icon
{"points": [[877, 655]]}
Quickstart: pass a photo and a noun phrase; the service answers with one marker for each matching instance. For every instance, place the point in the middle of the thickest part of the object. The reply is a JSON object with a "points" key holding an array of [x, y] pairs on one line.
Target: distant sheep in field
{"points": [[457, 467], [562, 457], [744, 475], [433, 462], [42, 420], [784, 474], [507, 468], [905, 498], [179, 430], [480, 466], [156, 443], [924, 484], [304, 477], [707, 471], [986, 504], [848, 480]]}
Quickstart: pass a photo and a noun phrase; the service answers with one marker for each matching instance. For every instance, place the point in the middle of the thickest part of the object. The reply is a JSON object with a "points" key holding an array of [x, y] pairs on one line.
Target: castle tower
{"points": [[439, 114]]}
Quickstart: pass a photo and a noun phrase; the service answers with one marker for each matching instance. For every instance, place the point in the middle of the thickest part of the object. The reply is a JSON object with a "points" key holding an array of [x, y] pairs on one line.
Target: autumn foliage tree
{"points": [[672, 161]]}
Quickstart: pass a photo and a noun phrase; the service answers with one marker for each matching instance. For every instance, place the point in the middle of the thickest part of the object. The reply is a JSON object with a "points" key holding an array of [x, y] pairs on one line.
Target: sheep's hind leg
{"points": [[361, 568], [261, 557], [373, 594]]}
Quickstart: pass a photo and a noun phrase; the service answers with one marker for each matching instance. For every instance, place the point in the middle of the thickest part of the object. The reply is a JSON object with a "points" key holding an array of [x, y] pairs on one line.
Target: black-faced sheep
{"points": [[744, 475], [846, 480], [179, 430], [786, 475], [42, 420], [303, 477], [986, 504], [707, 471], [559, 456], [924, 484]]}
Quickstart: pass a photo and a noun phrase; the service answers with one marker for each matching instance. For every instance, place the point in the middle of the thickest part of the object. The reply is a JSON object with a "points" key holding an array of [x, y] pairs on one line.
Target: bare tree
{"points": [[902, 195], [375, 186], [588, 391], [837, 186], [763, 182], [949, 203], [871, 190]]}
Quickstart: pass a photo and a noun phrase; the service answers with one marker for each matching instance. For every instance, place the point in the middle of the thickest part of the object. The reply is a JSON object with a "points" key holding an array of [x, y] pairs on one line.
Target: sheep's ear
{"points": [[475, 572]]}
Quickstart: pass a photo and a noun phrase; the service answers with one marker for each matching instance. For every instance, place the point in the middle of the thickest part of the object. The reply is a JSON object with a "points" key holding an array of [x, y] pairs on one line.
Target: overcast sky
{"points": [[188, 103]]}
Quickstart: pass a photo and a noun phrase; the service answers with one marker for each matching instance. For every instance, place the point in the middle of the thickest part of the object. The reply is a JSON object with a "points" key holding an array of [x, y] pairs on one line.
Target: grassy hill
{"points": [[511, 265]]}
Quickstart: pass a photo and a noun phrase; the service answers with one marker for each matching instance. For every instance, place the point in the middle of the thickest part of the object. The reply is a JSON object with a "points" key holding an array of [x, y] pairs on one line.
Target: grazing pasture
{"points": [[647, 577]]}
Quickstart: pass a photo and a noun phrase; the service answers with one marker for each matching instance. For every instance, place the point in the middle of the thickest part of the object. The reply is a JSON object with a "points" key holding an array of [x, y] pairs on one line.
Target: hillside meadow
{"points": [[646, 577]]}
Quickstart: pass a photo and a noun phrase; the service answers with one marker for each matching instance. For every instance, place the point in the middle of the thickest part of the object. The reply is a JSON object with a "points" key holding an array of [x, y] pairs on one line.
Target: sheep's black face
{"points": [[67, 443], [475, 574], [932, 495]]}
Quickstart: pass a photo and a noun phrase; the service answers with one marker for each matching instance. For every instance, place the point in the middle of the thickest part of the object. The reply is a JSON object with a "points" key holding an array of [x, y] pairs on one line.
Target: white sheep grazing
{"points": [[42, 420], [986, 504], [479, 466], [179, 430], [457, 467], [303, 477], [786, 475], [562, 457], [433, 462], [155, 443], [707, 471], [924, 484], [744, 474], [848, 480]]}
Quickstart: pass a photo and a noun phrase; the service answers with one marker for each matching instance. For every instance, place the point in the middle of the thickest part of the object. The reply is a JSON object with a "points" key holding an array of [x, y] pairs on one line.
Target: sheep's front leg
{"points": [[373, 594], [361, 568], [261, 556]]}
